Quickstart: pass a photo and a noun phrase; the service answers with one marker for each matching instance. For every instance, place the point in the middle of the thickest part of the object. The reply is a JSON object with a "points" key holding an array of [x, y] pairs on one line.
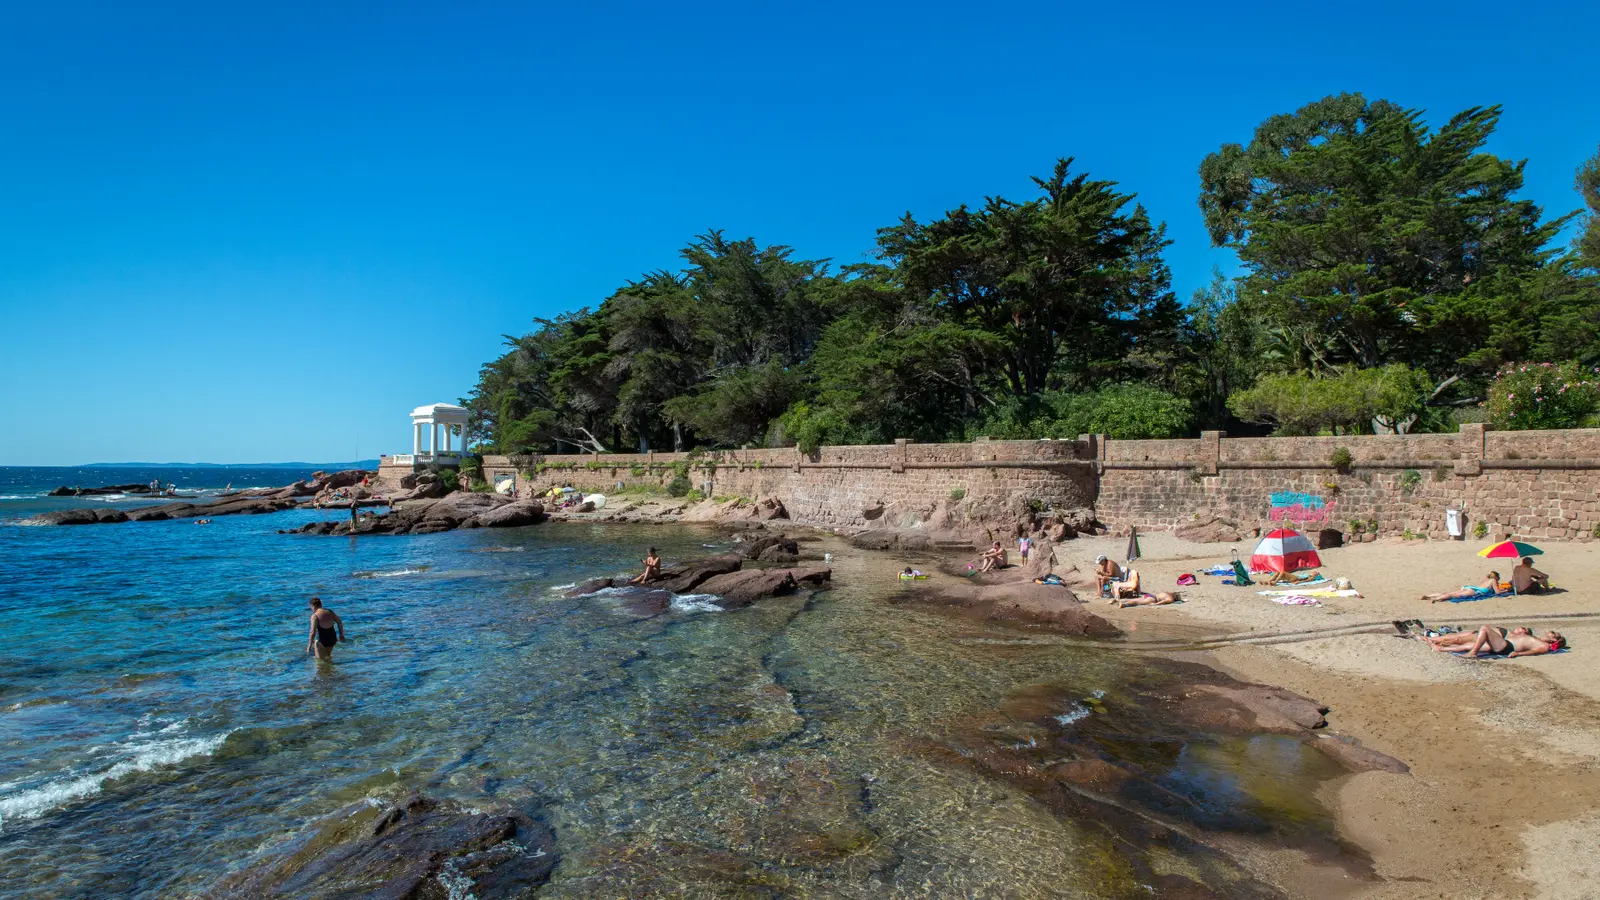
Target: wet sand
{"points": [[1504, 753]]}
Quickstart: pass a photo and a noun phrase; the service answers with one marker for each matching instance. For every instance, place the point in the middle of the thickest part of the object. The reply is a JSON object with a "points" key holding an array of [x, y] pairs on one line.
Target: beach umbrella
{"points": [[1133, 543], [1509, 550], [1284, 550]]}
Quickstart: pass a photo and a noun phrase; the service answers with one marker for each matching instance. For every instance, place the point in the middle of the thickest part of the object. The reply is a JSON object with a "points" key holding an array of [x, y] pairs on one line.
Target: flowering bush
{"points": [[1543, 395]]}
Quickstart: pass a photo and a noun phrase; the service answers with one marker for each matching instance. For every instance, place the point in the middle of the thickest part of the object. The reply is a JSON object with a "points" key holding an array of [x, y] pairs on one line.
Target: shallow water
{"points": [[158, 716]]}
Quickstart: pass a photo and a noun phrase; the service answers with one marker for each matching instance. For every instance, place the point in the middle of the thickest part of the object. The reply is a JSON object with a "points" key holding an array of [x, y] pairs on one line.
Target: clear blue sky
{"points": [[233, 233]]}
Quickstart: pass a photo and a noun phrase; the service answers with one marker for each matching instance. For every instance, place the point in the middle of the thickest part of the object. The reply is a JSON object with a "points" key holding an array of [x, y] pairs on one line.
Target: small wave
{"points": [[563, 587], [696, 603], [35, 802], [1078, 711], [501, 550], [20, 496], [395, 574]]}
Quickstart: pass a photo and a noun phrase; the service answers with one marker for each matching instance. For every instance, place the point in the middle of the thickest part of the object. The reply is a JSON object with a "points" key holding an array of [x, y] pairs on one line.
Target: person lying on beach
{"points": [[1525, 579], [1106, 571], [652, 568], [1488, 639], [1488, 588], [993, 558], [1127, 587], [1161, 599], [327, 629]]}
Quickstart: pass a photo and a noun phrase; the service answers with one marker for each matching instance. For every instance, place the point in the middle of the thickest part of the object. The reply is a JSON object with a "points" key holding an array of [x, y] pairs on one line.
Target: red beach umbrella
{"points": [[1284, 550]]}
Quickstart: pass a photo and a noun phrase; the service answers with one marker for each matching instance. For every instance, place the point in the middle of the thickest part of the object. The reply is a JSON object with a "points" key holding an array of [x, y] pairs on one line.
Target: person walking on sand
{"points": [[652, 568], [327, 629]]}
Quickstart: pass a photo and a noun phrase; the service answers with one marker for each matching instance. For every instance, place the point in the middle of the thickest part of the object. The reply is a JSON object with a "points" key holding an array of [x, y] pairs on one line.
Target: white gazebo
{"points": [[441, 419]]}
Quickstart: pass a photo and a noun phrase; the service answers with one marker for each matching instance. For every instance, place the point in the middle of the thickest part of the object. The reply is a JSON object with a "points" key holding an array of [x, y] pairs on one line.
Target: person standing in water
{"points": [[327, 629]]}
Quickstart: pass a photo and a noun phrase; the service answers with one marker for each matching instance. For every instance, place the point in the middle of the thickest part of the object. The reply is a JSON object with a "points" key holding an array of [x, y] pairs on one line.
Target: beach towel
{"points": [[1240, 576], [1324, 592], [1479, 596], [1297, 601], [1217, 570]]}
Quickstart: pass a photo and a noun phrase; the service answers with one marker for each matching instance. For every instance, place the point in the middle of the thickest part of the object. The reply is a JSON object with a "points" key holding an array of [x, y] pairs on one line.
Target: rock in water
{"points": [[521, 512], [685, 577], [418, 848], [737, 590]]}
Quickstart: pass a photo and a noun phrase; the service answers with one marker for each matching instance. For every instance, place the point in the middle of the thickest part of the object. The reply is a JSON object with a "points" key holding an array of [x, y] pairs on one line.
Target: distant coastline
{"points": [[358, 464]]}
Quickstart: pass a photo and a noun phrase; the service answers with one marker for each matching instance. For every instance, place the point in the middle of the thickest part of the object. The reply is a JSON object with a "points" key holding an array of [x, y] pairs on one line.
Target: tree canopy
{"points": [[1388, 270]]}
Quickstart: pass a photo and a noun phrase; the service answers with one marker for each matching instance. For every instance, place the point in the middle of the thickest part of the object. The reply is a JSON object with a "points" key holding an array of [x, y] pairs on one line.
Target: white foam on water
{"points": [[395, 574], [696, 603], [456, 885], [20, 496], [1078, 711], [563, 587], [35, 802]]}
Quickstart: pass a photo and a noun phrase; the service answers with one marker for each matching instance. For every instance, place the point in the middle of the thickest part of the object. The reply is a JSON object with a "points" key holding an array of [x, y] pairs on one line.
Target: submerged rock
{"points": [[1050, 607], [418, 848]]}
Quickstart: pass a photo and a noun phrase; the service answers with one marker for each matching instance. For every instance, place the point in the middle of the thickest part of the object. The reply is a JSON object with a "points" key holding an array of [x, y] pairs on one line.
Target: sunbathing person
{"points": [[1515, 642], [1487, 588], [1161, 599], [652, 568], [1525, 579], [993, 558], [1106, 571], [1127, 587]]}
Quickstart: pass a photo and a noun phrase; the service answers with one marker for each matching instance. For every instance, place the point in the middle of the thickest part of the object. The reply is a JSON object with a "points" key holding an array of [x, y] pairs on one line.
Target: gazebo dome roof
{"points": [[441, 413]]}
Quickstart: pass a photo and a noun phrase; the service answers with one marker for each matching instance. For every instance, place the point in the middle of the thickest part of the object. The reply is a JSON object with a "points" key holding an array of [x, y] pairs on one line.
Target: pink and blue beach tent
{"points": [[1284, 550]]}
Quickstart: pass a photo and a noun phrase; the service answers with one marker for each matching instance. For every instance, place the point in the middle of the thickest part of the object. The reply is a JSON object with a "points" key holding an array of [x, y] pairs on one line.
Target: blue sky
{"points": [[263, 232]]}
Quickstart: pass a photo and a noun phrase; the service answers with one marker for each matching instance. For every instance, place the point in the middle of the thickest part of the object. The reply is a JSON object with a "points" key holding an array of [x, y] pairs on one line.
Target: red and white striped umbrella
{"points": [[1284, 550]]}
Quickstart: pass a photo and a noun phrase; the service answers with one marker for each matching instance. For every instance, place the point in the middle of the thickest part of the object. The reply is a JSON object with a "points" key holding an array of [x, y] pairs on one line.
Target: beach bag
{"points": [[1187, 579]]}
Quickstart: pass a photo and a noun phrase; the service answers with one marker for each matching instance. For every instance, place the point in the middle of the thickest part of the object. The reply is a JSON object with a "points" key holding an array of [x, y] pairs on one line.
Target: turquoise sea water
{"points": [[160, 723]]}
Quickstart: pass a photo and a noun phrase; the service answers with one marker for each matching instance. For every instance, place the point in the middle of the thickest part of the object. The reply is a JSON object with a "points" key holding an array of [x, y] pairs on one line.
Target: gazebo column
{"points": [[416, 438]]}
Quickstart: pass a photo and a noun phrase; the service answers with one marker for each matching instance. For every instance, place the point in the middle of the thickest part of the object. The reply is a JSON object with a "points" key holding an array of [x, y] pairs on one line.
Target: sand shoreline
{"points": [[1505, 754]]}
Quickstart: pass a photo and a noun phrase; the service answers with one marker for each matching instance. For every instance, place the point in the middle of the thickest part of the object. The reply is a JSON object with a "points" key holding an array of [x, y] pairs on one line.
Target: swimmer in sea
{"points": [[327, 629]]}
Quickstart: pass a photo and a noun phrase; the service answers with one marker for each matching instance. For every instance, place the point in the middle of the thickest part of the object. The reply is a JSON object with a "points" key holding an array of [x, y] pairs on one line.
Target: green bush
{"points": [[1350, 400], [1340, 459], [679, 486], [694, 496], [957, 493], [1543, 395], [1409, 480], [1123, 411], [1481, 530]]}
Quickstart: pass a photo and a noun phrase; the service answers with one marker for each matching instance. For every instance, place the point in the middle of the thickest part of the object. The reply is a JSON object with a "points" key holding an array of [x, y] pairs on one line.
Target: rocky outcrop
{"points": [[408, 851], [252, 502], [458, 510], [1241, 706], [755, 547], [65, 491], [1043, 606], [737, 590], [722, 576], [684, 578]]}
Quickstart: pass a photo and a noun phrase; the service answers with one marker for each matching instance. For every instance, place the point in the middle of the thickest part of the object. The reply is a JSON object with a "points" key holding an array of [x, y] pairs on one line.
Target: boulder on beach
{"points": [[409, 850], [519, 512]]}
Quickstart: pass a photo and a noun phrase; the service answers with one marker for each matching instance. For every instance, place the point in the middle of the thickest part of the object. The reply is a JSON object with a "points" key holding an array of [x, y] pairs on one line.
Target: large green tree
{"points": [[1370, 239]]}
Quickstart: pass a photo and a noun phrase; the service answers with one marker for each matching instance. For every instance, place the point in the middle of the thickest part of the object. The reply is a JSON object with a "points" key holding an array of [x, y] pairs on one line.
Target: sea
{"points": [[162, 725]]}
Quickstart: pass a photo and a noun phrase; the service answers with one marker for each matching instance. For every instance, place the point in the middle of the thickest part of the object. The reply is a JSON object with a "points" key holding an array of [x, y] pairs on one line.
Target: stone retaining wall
{"points": [[1531, 484]]}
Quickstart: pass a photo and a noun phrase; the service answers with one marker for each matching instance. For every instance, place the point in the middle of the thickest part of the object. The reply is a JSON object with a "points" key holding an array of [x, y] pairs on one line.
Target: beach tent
{"points": [[1284, 550]]}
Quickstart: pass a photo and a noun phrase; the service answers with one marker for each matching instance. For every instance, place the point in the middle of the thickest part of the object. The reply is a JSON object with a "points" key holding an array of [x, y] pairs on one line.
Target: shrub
{"points": [[1409, 479], [1543, 395], [1340, 459], [636, 471], [1481, 530], [679, 486], [957, 493], [694, 496], [1352, 400]]}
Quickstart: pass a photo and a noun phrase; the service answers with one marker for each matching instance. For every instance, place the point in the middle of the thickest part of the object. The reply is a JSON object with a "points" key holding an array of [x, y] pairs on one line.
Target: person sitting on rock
{"points": [[1518, 641], [1487, 588], [652, 568], [1127, 587], [993, 558], [1525, 579], [1106, 573], [1161, 599]]}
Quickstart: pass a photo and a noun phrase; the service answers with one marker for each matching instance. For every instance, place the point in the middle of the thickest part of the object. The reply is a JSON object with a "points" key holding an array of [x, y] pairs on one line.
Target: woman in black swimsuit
{"points": [[327, 629]]}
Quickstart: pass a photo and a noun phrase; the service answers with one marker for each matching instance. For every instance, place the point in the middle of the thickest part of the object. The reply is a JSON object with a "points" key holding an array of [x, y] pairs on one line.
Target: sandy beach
{"points": [[1504, 783]]}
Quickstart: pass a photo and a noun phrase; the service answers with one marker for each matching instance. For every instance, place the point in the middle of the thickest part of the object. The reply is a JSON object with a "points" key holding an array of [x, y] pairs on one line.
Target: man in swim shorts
{"points": [[1515, 642], [327, 629]]}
